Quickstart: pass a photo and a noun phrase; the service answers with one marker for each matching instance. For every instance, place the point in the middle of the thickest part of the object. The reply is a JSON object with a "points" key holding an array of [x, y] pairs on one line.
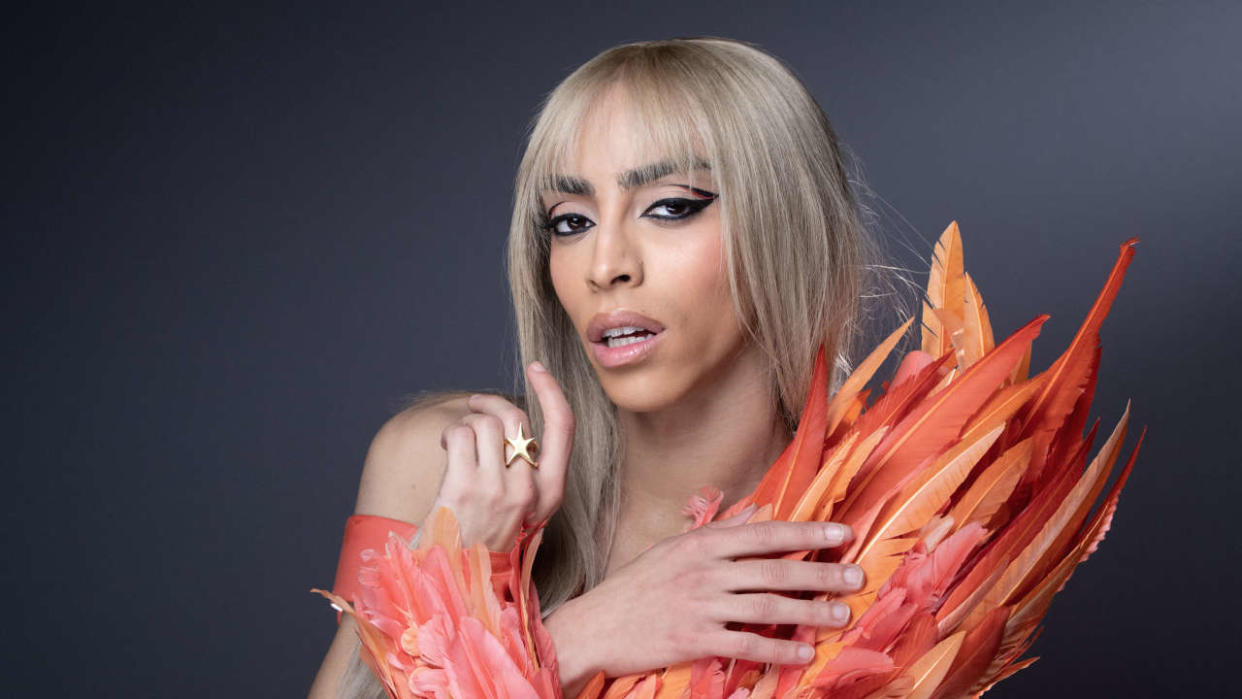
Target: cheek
{"points": [[704, 281], [557, 271], [707, 273]]}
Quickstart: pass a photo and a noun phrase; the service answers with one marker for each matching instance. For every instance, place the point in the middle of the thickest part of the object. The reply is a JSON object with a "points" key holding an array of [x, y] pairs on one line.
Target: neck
{"points": [[725, 434]]}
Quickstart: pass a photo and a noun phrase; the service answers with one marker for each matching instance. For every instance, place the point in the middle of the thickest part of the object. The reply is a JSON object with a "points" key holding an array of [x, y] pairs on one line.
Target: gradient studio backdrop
{"points": [[236, 237]]}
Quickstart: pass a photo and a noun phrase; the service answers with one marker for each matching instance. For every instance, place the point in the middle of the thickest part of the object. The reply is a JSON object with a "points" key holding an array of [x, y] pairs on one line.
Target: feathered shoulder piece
{"points": [[969, 485]]}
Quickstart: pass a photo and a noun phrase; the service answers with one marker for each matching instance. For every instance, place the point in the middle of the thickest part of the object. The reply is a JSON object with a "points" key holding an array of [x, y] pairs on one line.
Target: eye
{"points": [[678, 208], [567, 224]]}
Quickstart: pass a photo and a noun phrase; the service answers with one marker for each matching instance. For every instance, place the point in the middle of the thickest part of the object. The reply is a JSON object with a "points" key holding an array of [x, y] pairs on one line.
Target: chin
{"points": [[639, 390]]}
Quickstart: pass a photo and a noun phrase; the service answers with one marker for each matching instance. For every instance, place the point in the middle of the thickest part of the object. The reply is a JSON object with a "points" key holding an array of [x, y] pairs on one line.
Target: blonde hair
{"points": [[796, 252], [794, 246]]}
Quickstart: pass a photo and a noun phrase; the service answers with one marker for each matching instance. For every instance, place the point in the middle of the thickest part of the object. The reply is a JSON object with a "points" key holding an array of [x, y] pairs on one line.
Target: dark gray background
{"points": [[235, 237]]}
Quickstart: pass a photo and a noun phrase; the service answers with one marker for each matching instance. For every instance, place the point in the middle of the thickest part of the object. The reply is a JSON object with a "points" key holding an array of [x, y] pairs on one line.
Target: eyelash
{"points": [[693, 206]]}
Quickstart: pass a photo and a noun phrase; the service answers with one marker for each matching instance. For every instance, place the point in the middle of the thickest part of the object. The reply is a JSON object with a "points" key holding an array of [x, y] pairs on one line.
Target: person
{"points": [[684, 239]]}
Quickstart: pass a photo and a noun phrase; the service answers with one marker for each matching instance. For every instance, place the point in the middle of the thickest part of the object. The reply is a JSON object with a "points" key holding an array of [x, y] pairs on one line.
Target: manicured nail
{"points": [[805, 653], [834, 534], [536, 366], [853, 576]]}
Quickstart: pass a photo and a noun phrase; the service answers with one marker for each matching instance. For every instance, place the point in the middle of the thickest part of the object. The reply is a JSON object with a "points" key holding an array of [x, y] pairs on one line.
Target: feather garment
{"points": [[968, 487]]}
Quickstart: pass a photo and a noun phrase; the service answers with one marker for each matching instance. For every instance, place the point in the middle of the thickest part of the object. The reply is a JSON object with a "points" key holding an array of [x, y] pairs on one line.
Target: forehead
{"points": [[628, 139]]}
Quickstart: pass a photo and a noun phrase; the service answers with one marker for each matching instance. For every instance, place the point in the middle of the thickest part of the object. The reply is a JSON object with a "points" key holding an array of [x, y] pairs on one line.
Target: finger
{"points": [[512, 481], [519, 486], [459, 444], [509, 414], [780, 574], [516, 476], [745, 645], [557, 437], [757, 538], [767, 608], [490, 450]]}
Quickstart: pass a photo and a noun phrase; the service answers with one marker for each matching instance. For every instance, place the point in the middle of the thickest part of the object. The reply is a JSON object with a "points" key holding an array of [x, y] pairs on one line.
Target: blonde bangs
{"points": [[672, 125]]}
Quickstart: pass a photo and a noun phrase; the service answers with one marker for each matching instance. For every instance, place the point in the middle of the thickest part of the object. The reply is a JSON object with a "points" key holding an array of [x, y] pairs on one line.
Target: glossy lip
{"points": [[611, 357], [619, 319]]}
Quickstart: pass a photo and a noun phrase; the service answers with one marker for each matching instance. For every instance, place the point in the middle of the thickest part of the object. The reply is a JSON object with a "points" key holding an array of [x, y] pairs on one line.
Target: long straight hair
{"points": [[795, 249], [797, 256]]}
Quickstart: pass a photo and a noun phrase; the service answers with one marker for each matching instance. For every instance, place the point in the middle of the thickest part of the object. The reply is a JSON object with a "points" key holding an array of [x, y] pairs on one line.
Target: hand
{"points": [[671, 603], [492, 501]]}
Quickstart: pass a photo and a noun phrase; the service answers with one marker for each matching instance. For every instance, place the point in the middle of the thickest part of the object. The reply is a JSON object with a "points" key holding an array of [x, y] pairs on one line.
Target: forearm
{"points": [[574, 649], [344, 647]]}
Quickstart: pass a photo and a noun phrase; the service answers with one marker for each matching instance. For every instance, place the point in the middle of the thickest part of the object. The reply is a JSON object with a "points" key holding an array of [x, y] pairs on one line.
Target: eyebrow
{"points": [[630, 179]]}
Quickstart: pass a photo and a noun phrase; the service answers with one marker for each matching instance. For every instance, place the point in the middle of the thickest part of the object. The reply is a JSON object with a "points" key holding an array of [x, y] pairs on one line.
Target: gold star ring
{"points": [[520, 446]]}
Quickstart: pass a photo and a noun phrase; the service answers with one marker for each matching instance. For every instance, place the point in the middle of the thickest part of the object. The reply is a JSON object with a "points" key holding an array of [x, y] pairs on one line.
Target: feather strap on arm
{"points": [[435, 622]]}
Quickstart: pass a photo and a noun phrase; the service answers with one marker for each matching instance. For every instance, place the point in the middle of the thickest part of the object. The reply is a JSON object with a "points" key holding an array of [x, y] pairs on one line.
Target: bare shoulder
{"points": [[400, 479], [405, 463]]}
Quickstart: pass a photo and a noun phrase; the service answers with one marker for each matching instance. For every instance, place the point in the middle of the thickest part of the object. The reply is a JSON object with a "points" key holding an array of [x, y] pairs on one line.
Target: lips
{"points": [[620, 319], [625, 355]]}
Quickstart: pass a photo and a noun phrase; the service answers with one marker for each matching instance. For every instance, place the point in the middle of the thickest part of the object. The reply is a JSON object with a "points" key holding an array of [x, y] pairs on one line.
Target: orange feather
{"points": [[945, 289], [920, 501], [976, 653], [928, 671], [977, 328], [844, 396], [928, 429], [993, 487]]}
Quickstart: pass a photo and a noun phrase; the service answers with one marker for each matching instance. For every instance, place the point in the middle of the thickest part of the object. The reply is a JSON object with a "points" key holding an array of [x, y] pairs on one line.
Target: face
{"points": [[637, 251]]}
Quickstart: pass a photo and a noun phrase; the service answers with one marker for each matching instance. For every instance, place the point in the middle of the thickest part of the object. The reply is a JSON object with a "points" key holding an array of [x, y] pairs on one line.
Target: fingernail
{"points": [[853, 576], [834, 534], [840, 612], [536, 366], [805, 653]]}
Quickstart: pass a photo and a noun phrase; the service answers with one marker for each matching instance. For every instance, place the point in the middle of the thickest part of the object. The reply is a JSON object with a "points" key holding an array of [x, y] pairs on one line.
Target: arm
{"points": [[400, 479], [468, 475], [570, 632]]}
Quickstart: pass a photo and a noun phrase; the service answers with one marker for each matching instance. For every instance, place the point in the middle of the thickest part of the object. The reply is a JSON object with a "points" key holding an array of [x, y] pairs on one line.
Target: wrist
{"points": [[573, 651]]}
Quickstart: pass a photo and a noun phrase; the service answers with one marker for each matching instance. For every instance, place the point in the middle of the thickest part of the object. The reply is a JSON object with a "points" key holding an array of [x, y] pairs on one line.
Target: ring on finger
{"points": [[521, 447]]}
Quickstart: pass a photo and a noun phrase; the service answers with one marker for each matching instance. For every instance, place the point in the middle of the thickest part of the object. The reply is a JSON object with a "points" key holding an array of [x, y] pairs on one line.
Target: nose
{"points": [[616, 259]]}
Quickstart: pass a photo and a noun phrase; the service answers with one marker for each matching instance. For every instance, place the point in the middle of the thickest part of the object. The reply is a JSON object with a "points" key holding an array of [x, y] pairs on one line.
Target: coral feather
{"points": [[796, 467], [920, 501], [929, 670], [930, 427]]}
